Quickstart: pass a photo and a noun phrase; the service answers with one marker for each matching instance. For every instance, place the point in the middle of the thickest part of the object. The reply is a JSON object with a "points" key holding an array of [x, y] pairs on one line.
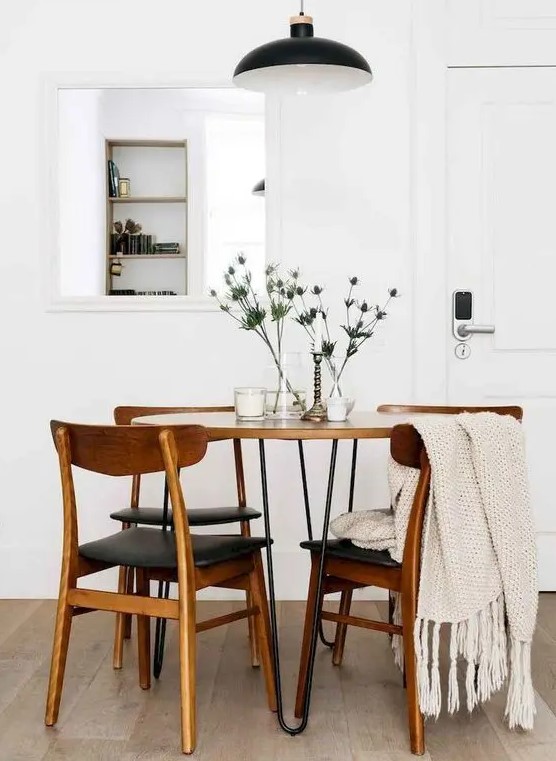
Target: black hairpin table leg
{"points": [[352, 476], [272, 598], [322, 638]]}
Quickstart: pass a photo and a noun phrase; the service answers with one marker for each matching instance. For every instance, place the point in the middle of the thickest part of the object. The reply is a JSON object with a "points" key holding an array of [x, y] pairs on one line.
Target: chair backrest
{"points": [[127, 450], [124, 451], [124, 414], [407, 448], [434, 409]]}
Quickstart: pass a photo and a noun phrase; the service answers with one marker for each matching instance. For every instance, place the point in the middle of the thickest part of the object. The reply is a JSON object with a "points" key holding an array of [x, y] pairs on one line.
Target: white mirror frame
{"points": [[54, 300]]}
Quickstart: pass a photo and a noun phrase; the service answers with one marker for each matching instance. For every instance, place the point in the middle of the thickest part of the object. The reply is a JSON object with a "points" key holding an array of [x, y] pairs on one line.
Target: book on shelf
{"points": [[113, 177], [114, 239], [166, 248]]}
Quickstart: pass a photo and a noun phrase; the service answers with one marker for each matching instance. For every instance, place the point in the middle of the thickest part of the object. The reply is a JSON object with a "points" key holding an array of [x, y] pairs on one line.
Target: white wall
{"points": [[344, 197], [82, 182]]}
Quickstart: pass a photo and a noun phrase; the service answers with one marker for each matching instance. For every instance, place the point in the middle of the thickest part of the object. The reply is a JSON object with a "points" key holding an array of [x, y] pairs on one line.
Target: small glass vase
{"points": [[286, 395], [336, 389]]}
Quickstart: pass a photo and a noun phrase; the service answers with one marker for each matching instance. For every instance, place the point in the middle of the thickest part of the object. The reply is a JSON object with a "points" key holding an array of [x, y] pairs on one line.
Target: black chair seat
{"points": [[153, 548], [343, 548], [202, 516]]}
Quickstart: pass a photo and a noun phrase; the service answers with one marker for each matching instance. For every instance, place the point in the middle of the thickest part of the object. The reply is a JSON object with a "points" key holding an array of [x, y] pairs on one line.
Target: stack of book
{"points": [[166, 248], [136, 243], [156, 293], [132, 292]]}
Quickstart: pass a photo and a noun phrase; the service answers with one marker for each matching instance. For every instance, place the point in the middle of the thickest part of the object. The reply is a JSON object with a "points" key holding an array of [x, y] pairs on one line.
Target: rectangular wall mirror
{"points": [[158, 189]]}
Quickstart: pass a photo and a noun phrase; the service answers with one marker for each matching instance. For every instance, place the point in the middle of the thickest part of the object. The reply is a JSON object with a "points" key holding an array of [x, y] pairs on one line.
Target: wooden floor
{"points": [[358, 711]]}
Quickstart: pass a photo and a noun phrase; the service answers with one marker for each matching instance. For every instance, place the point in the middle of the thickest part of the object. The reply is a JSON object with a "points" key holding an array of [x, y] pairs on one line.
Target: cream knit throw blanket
{"points": [[478, 563]]}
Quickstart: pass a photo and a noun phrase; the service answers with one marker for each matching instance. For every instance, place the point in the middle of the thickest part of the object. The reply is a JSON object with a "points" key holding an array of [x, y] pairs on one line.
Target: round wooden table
{"points": [[223, 425]]}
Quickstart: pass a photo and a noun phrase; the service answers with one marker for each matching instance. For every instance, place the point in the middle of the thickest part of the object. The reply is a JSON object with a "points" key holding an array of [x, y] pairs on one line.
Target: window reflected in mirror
{"points": [[156, 189]]}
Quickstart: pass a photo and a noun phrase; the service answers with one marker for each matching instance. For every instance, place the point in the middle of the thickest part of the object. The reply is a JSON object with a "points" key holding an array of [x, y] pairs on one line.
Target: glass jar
{"points": [[249, 403], [286, 383]]}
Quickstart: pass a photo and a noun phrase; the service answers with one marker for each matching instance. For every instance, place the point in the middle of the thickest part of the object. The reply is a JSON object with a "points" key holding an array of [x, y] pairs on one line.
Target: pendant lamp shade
{"points": [[302, 64], [259, 188]]}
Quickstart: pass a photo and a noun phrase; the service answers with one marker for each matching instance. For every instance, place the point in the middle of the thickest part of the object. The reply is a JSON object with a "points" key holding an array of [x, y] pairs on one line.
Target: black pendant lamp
{"points": [[259, 189], [302, 64]]}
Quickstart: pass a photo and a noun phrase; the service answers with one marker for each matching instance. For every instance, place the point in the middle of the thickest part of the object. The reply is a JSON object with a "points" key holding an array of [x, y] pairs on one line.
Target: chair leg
{"points": [[188, 655], [416, 724], [144, 633], [119, 634], [253, 640], [59, 654], [129, 590], [310, 612], [262, 622], [341, 629]]}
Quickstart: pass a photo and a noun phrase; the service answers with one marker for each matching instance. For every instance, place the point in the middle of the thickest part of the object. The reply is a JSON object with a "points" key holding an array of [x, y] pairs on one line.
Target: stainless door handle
{"points": [[467, 330]]}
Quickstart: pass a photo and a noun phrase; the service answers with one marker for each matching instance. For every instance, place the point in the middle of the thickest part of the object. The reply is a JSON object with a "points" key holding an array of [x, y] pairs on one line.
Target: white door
{"points": [[501, 206]]}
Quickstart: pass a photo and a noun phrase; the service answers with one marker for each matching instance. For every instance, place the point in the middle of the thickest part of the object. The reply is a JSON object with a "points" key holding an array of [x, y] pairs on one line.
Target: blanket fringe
{"points": [[397, 639], [453, 687], [520, 704], [481, 640]]}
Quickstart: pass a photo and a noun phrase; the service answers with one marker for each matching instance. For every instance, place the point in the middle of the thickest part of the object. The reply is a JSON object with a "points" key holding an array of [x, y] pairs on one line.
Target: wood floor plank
{"points": [[462, 737], [111, 705], [534, 753], [23, 734], [237, 702], [161, 707], [374, 697], [326, 736], [13, 613], [85, 750], [381, 755], [516, 741], [543, 666], [546, 618], [14, 673]]}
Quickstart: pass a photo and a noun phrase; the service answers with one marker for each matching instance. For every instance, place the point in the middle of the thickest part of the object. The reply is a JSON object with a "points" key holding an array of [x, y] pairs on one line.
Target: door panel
{"points": [[501, 32], [501, 184]]}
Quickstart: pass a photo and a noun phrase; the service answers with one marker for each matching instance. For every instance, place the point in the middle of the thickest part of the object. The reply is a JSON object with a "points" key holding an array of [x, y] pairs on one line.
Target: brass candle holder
{"points": [[317, 413]]}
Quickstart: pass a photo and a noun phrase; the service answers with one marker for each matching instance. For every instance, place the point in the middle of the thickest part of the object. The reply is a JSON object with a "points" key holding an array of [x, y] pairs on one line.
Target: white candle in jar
{"points": [[249, 403], [317, 346]]}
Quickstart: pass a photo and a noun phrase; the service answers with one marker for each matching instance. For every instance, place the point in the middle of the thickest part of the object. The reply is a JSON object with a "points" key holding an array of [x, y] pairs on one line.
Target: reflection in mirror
{"points": [[155, 189]]}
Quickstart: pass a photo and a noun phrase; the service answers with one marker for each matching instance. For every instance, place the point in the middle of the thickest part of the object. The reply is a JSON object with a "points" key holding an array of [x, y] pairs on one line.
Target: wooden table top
{"points": [[223, 425]]}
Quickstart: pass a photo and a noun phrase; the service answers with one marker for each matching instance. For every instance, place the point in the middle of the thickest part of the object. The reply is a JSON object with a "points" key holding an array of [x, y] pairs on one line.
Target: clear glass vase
{"points": [[333, 369], [336, 389], [286, 395]]}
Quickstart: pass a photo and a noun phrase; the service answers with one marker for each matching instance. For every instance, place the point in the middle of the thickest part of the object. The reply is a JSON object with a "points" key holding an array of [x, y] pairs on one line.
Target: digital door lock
{"points": [[463, 326]]}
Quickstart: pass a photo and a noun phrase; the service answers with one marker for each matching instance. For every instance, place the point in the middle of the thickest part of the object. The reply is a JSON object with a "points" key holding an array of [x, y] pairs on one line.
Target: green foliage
{"points": [[359, 326], [242, 303], [286, 295]]}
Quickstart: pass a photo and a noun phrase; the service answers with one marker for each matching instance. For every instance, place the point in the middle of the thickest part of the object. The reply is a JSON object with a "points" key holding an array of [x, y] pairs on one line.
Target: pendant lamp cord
{"points": [[302, 11]]}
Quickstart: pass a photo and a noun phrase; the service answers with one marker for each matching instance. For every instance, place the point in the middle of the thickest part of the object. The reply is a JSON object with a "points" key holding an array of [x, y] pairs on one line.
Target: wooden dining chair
{"points": [[194, 562], [347, 567], [160, 516]]}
